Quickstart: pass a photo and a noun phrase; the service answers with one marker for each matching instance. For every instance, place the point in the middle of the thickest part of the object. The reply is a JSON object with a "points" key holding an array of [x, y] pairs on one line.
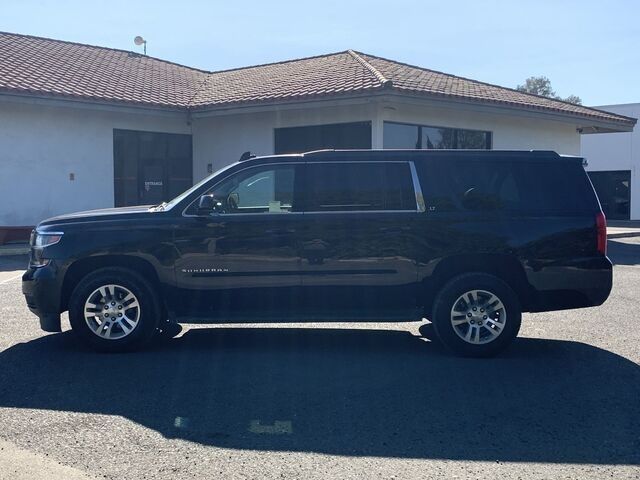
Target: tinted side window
{"points": [[333, 187], [262, 189], [519, 186]]}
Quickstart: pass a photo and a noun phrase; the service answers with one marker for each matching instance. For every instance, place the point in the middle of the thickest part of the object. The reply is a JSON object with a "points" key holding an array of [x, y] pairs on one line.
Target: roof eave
{"points": [[364, 96], [54, 99], [582, 122]]}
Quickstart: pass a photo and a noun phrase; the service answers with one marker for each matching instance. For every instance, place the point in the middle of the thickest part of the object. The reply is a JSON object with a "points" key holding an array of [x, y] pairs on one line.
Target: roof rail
{"points": [[323, 150]]}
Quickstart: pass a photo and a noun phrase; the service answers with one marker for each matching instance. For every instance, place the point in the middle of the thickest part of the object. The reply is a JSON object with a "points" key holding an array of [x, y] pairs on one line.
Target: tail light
{"points": [[601, 231]]}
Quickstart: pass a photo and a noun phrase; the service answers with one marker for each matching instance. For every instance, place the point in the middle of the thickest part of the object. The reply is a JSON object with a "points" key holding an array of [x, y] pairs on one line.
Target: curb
{"points": [[624, 235], [20, 249]]}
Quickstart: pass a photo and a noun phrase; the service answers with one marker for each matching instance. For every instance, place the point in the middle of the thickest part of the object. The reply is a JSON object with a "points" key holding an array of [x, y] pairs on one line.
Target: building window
{"points": [[318, 137], [399, 135], [403, 135]]}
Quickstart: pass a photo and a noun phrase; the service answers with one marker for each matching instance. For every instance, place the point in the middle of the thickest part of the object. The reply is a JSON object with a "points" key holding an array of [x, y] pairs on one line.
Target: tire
{"points": [[483, 327], [102, 292]]}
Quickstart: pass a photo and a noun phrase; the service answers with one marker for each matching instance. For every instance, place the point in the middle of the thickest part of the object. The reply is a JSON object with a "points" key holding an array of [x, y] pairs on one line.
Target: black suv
{"points": [[467, 239]]}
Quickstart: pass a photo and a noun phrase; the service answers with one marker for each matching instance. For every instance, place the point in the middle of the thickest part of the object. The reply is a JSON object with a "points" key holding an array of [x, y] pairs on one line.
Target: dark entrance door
{"points": [[150, 167], [614, 191]]}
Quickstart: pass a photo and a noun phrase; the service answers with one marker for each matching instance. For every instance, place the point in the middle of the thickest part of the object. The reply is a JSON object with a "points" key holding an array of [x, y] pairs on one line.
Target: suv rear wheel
{"points": [[476, 315], [114, 309]]}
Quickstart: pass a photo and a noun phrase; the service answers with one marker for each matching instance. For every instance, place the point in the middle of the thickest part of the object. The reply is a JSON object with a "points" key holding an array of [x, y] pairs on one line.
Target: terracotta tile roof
{"points": [[333, 74], [408, 78], [52, 67], [42, 66]]}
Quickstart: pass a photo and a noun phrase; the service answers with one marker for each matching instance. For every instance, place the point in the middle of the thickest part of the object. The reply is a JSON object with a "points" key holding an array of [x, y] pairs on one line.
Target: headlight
{"points": [[40, 240], [44, 239]]}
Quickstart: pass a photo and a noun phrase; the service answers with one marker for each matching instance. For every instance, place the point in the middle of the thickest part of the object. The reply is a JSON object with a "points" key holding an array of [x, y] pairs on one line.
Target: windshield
{"points": [[172, 203]]}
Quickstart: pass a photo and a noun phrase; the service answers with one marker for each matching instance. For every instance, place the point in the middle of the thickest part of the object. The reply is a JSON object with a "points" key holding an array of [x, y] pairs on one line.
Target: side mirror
{"points": [[209, 204]]}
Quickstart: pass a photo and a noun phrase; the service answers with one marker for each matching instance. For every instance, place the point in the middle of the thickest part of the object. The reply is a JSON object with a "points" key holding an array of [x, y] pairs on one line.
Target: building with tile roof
{"points": [[147, 128]]}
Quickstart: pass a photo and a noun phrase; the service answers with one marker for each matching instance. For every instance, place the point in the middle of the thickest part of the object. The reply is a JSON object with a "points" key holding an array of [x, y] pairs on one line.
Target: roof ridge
{"points": [[485, 83], [384, 81], [268, 64], [128, 52], [197, 90]]}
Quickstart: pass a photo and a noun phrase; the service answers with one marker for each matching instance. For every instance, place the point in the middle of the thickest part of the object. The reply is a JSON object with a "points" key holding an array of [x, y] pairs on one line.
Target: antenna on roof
{"points": [[141, 41]]}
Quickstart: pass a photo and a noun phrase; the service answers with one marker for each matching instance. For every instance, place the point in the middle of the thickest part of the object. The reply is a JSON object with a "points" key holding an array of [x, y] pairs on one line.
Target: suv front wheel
{"points": [[114, 309], [476, 315]]}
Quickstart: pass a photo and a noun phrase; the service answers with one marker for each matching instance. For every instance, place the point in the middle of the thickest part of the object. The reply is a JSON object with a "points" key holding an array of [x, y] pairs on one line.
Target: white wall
{"points": [[41, 145], [617, 151]]}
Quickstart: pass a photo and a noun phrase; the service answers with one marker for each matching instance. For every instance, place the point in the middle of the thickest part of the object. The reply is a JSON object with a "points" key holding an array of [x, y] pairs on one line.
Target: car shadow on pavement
{"points": [[623, 253], [13, 262], [349, 392]]}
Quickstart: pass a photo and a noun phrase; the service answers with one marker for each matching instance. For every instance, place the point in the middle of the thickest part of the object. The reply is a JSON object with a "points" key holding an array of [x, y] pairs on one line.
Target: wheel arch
{"points": [[80, 268], [505, 267]]}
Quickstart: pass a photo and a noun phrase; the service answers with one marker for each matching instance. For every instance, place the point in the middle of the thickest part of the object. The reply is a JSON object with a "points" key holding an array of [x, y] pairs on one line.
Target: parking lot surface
{"points": [[327, 400]]}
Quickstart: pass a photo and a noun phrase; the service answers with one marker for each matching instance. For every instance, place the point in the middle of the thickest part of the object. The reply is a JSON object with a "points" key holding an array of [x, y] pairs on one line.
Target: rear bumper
{"points": [[41, 289], [585, 282]]}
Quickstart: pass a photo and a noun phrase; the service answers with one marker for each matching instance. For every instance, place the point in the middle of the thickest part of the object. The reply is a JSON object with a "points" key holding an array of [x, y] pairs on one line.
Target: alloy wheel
{"points": [[112, 312], [478, 317]]}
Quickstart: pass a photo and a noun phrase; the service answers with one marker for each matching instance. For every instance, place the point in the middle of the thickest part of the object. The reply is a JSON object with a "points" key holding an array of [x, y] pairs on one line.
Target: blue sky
{"points": [[588, 48]]}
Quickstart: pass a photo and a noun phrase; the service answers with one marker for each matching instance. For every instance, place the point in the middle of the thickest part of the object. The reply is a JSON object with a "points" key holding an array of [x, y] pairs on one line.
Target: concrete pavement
{"points": [[19, 464]]}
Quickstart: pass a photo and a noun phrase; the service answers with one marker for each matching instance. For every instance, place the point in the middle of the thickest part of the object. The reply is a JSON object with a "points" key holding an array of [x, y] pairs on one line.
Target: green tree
{"points": [[542, 86], [573, 99]]}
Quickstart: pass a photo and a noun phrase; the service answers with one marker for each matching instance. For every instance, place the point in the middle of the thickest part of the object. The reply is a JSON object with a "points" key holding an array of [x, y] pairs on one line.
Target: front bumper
{"points": [[41, 288]]}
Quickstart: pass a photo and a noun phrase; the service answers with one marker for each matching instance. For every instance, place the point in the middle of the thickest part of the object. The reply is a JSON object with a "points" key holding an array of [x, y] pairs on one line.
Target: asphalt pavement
{"points": [[327, 400]]}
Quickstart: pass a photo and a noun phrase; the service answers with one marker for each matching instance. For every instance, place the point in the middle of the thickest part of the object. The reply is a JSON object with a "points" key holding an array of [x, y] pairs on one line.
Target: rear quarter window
{"points": [[525, 187]]}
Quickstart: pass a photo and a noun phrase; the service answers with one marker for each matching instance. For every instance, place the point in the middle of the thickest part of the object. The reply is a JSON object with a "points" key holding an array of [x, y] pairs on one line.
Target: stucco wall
{"points": [[41, 145], [617, 151]]}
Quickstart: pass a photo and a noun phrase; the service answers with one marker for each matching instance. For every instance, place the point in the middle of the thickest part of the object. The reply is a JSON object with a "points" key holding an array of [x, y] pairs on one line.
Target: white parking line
{"points": [[7, 280]]}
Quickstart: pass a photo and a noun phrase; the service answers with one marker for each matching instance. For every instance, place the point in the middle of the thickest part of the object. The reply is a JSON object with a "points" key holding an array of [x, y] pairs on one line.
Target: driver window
{"points": [[266, 189]]}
